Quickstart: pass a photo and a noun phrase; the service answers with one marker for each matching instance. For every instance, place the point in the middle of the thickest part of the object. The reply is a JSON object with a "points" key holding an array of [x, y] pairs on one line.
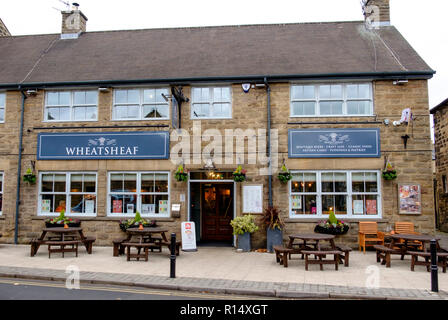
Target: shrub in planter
{"points": [[61, 221], [332, 226], [274, 226], [239, 175], [243, 226], [136, 222], [180, 174], [284, 175]]}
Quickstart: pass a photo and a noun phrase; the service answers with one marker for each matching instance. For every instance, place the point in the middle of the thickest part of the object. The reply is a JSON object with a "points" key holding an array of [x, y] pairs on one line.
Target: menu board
{"points": [[409, 199], [253, 199]]}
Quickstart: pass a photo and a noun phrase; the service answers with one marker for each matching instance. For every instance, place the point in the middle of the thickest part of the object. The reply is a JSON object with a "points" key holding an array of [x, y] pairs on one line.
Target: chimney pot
{"points": [[73, 23]]}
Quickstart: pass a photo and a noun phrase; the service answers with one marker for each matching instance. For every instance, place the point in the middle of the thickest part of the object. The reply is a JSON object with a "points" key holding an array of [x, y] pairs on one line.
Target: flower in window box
{"points": [[180, 174], [332, 225], [239, 175], [284, 175]]}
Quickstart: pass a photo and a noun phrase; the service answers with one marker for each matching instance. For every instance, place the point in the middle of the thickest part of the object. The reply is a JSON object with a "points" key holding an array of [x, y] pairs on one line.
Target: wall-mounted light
{"points": [[103, 89], [400, 82], [31, 92]]}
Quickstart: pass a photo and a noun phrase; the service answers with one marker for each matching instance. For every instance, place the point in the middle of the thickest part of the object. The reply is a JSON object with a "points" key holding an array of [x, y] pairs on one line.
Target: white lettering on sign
{"points": [[100, 151]]}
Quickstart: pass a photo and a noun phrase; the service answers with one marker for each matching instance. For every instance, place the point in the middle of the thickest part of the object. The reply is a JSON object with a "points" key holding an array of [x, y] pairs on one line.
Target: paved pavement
{"points": [[226, 271]]}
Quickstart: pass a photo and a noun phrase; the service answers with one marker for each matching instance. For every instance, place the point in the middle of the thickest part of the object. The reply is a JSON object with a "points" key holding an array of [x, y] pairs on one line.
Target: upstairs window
{"points": [[141, 104], [2, 107], [211, 103], [71, 106], [329, 100]]}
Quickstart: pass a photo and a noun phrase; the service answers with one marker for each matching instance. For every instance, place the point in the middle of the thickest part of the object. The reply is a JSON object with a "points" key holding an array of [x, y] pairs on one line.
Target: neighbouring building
{"points": [[104, 119], [440, 116], [3, 30]]}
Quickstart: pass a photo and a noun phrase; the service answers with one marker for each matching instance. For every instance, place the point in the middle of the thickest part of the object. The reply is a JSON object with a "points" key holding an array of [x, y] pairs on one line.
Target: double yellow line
{"points": [[134, 291]]}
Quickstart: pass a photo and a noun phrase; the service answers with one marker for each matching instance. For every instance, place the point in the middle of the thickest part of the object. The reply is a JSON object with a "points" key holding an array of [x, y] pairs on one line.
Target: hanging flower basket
{"points": [[239, 175], [389, 173], [181, 175], [29, 177], [284, 175]]}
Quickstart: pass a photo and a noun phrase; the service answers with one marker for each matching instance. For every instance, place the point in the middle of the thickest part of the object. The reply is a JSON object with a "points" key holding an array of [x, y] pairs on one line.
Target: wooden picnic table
{"points": [[62, 234], [145, 234]]}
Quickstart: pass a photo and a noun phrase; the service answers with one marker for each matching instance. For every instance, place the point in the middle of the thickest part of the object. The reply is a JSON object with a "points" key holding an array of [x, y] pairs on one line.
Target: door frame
{"points": [[211, 181]]}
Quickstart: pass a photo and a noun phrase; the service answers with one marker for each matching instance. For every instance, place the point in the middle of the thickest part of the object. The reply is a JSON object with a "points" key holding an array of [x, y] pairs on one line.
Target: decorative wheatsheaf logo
{"points": [[102, 141], [333, 138]]}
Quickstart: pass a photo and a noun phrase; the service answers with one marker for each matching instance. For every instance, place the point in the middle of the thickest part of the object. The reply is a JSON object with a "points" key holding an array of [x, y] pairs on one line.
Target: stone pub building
{"points": [[104, 119]]}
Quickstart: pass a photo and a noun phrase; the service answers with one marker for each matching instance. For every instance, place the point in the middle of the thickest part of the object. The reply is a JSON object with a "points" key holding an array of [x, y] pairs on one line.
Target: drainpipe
{"points": [[19, 168], [268, 90]]}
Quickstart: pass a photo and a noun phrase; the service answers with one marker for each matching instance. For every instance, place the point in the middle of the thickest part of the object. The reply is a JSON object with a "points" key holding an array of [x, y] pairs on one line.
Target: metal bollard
{"points": [[434, 271], [173, 256]]}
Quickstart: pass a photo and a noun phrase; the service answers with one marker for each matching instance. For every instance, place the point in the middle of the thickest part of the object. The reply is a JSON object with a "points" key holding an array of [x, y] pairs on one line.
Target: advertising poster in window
{"points": [[90, 206], [117, 206], [409, 199], [130, 208], [296, 202], [148, 208], [46, 205], [358, 207], [163, 206], [371, 207]]}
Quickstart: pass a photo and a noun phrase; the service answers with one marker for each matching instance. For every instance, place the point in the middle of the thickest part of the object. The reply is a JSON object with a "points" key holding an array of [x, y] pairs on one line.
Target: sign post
{"points": [[188, 236]]}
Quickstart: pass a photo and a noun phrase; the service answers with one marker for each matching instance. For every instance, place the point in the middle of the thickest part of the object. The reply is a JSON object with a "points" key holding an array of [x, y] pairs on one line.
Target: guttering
{"points": [[397, 75], [19, 168], [268, 91]]}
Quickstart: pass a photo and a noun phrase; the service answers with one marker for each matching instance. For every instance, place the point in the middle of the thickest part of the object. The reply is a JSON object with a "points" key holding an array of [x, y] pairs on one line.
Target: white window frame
{"points": [[67, 193], [211, 102], [349, 193], [138, 194], [141, 105], [3, 107], [318, 100], [72, 106], [2, 175]]}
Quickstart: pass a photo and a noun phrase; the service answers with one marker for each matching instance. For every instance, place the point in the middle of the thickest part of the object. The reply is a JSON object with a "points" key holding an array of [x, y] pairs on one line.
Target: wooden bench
{"points": [[139, 247], [281, 255], [383, 252], [73, 244], [344, 257], [442, 259], [318, 258], [35, 244], [118, 247], [168, 245], [88, 242]]}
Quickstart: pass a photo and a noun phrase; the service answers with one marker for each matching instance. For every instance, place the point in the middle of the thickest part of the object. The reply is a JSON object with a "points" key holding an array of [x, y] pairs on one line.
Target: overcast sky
{"points": [[422, 23]]}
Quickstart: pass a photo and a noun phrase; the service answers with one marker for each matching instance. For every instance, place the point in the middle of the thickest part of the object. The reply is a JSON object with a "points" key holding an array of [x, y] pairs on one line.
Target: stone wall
{"points": [[441, 149]]}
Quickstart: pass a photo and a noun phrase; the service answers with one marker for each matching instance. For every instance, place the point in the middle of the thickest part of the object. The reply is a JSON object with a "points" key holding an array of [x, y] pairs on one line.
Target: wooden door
{"points": [[217, 211]]}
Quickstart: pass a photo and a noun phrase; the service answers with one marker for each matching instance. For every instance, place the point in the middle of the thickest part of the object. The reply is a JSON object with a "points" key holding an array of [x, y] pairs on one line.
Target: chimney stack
{"points": [[73, 23], [4, 32], [376, 13]]}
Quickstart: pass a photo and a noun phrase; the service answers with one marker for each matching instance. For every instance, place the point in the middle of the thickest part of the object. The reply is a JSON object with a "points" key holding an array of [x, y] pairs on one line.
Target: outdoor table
{"points": [[316, 238], [62, 234], [407, 238], [145, 232]]}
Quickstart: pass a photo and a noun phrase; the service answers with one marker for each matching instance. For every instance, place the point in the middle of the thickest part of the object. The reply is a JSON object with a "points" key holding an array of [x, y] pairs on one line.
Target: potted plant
{"points": [[274, 226], [180, 174], [243, 226], [136, 222], [29, 176], [239, 175], [284, 175], [61, 221], [332, 225], [389, 173]]}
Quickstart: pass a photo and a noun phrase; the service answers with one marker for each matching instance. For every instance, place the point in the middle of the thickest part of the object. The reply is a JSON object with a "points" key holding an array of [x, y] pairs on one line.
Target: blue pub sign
{"points": [[334, 143], [103, 145]]}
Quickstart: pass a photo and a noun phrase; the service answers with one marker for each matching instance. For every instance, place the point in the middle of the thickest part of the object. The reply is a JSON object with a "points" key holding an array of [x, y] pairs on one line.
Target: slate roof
{"points": [[441, 105], [233, 52]]}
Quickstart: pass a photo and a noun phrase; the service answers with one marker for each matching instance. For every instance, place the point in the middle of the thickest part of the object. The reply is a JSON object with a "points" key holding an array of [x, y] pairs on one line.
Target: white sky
{"points": [[422, 23]]}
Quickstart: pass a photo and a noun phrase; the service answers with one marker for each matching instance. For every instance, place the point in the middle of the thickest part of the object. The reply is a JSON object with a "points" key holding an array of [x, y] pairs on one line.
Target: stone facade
{"points": [[440, 114], [249, 111], [3, 30]]}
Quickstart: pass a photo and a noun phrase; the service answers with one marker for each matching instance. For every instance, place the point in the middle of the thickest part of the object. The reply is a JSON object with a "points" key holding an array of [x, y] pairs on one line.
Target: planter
{"points": [[334, 231], [239, 177], [274, 238], [124, 226], [181, 176], [61, 225], [284, 177], [244, 241], [30, 178], [389, 175]]}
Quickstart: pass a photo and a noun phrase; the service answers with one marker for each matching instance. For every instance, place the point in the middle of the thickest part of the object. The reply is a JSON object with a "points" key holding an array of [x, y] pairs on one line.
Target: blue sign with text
{"points": [[103, 145], [334, 143]]}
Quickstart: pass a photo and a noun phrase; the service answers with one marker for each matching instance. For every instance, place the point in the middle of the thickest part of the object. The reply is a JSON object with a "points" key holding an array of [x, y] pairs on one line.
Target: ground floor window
{"points": [[348, 193], [75, 193], [146, 192]]}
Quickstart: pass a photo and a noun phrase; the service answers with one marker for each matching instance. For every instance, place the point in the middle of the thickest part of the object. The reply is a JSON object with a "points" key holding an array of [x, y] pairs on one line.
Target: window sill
{"points": [[317, 220], [109, 219]]}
